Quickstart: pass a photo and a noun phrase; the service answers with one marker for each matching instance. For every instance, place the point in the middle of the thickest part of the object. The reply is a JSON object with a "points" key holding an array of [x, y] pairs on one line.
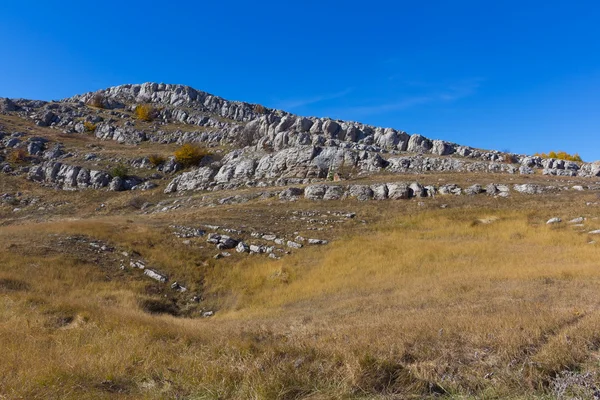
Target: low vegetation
{"points": [[17, 156], [156, 160], [561, 155], [89, 127], [260, 109], [190, 155], [145, 112], [119, 171]]}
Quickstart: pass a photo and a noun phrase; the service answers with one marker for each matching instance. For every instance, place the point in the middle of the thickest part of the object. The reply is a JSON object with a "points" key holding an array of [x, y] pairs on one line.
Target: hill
{"points": [[161, 242]]}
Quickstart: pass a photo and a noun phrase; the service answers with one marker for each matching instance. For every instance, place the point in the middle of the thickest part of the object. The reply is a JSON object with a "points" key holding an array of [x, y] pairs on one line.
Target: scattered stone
{"points": [[294, 245], [242, 248], [291, 194], [554, 220], [155, 275], [176, 286], [137, 264]]}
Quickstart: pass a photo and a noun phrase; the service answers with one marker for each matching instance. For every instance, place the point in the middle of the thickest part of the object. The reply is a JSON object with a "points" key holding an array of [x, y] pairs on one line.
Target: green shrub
{"points": [[119, 171], [189, 155]]}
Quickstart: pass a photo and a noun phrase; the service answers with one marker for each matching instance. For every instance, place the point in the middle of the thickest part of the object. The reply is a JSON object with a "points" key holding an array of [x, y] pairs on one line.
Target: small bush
{"points": [[509, 158], [156, 160], [17, 156], [561, 155], [189, 155], [89, 127], [145, 112], [119, 171], [259, 109], [97, 101]]}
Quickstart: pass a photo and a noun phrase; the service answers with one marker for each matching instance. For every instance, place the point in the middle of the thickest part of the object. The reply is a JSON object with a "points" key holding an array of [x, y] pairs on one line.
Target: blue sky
{"points": [[522, 76]]}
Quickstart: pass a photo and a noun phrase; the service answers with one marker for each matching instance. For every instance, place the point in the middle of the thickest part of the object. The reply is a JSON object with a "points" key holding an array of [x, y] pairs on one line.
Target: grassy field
{"points": [[481, 299]]}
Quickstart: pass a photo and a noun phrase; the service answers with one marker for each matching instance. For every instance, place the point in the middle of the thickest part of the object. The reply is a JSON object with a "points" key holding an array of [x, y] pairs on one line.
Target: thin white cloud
{"points": [[296, 103], [448, 94]]}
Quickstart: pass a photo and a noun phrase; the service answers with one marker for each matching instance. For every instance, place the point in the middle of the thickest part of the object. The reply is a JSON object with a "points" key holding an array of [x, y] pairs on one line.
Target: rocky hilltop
{"points": [[257, 146]]}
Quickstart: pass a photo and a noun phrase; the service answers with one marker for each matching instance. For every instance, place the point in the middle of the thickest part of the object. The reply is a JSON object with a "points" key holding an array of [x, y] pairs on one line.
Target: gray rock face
{"points": [[419, 144], [116, 184], [315, 192], [242, 248], [523, 170], [474, 189], [398, 191], [236, 167], [55, 152], [7, 105], [380, 191], [450, 189], [334, 192], [360, 192], [442, 148], [68, 177], [415, 189], [282, 148], [291, 193], [193, 180], [36, 145], [528, 188]]}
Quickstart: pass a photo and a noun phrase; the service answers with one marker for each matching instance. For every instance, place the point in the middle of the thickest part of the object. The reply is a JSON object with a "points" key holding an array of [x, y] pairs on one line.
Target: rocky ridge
{"points": [[270, 147]]}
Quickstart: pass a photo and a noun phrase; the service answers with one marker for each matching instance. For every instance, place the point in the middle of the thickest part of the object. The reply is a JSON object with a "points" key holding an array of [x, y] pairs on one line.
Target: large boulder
{"points": [[398, 190], [360, 192], [7, 105], [442, 148], [315, 192], [419, 144], [193, 180]]}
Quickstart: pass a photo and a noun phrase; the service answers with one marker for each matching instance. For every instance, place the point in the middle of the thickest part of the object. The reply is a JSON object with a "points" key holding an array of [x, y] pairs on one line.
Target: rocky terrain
{"points": [[257, 146], [398, 266]]}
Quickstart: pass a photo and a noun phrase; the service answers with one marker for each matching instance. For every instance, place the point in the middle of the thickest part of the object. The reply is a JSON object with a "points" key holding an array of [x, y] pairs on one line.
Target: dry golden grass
{"points": [[420, 302]]}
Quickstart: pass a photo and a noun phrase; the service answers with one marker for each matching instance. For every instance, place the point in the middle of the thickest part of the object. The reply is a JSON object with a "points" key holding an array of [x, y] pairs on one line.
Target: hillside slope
{"points": [[302, 258]]}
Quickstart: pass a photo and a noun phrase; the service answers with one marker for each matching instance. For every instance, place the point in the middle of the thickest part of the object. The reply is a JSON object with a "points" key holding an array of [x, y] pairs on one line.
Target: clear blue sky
{"points": [[510, 75]]}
